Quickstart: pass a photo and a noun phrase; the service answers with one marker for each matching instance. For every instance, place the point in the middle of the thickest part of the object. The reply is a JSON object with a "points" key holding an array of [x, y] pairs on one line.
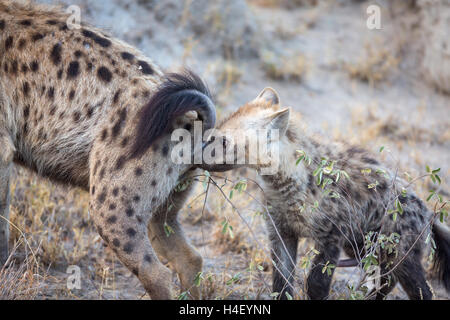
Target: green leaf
{"points": [[168, 229], [198, 279]]}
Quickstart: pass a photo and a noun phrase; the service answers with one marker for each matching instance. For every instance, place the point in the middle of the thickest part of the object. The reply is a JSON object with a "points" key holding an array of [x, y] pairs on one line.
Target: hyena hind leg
{"points": [[174, 247], [411, 275]]}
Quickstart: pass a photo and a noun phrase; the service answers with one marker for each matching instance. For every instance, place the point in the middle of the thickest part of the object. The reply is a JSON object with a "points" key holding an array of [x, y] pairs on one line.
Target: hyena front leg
{"points": [[6, 158], [284, 255], [318, 282]]}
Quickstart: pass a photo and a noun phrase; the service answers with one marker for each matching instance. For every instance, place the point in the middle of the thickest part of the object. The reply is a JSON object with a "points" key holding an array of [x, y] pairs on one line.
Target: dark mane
{"points": [[176, 95]]}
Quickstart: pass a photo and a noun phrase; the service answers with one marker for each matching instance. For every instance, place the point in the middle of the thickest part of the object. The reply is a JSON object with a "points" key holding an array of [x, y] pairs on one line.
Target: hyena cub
{"points": [[337, 195]]}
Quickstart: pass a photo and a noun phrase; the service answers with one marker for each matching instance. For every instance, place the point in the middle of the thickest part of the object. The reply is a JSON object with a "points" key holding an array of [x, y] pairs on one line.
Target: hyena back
{"points": [[85, 109], [342, 217]]}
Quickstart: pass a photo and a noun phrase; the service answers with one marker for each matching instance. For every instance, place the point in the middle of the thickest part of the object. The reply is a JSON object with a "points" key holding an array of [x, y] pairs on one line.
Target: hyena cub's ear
{"points": [[269, 95], [280, 121]]}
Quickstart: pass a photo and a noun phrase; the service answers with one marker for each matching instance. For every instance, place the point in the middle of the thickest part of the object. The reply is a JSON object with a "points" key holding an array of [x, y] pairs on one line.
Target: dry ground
{"points": [[349, 82]]}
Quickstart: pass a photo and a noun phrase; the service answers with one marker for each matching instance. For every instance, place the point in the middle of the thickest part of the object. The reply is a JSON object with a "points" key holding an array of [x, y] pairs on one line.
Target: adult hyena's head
{"points": [[249, 137]]}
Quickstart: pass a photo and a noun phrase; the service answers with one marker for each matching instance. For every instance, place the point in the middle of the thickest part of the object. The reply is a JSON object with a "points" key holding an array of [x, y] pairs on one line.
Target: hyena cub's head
{"points": [[249, 137]]}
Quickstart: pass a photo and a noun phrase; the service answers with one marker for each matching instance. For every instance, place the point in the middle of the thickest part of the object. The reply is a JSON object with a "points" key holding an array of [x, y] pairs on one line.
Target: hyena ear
{"points": [[269, 95], [280, 121]]}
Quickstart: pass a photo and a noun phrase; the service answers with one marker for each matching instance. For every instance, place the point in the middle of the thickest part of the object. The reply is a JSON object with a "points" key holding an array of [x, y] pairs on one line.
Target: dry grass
{"points": [[285, 67], [374, 66]]}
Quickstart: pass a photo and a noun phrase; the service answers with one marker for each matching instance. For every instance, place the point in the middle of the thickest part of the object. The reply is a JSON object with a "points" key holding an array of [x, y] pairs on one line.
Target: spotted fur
{"points": [[73, 103]]}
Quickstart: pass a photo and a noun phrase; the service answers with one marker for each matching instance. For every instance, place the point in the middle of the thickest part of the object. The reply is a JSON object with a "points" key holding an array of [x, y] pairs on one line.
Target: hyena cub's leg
{"points": [[6, 158], [284, 255], [411, 275], [318, 282], [169, 242]]}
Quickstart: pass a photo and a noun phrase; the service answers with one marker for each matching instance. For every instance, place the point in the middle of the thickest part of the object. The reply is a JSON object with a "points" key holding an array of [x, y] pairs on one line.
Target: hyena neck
{"points": [[291, 178]]}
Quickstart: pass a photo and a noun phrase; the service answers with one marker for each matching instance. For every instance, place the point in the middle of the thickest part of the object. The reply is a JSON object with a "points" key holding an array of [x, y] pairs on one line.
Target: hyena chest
{"points": [[287, 200]]}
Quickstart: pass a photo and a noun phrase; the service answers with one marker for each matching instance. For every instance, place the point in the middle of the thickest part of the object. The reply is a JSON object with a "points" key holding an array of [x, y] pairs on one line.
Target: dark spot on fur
{"points": [[120, 162], [51, 93], [115, 192], [14, 67], [116, 242], [129, 212], [22, 43], [55, 54], [9, 43], [26, 89], [112, 219], [138, 172], [73, 70], [128, 247], [24, 68], [71, 94], [148, 258], [60, 74], [136, 198], [34, 66], [124, 142], [76, 116], [127, 56], [52, 110], [97, 39], [37, 37], [102, 173], [104, 134], [2, 24], [89, 112], [26, 111], [154, 183], [101, 198], [112, 206], [104, 74], [131, 232], [165, 150], [52, 22], [26, 23], [145, 67], [119, 123], [116, 96]]}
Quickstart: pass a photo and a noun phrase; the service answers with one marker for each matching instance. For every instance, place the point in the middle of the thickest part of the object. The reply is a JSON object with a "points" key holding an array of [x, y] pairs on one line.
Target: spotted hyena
{"points": [[88, 110], [306, 198]]}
